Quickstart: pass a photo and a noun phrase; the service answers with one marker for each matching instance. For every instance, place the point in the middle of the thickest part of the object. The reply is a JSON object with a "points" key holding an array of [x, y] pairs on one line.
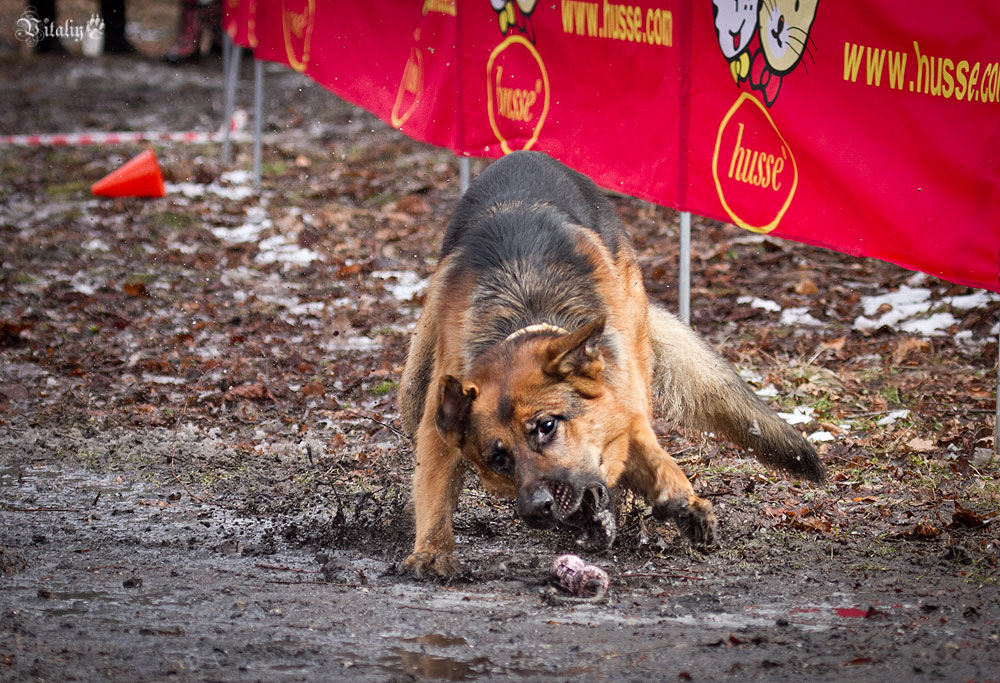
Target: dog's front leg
{"points": [[653, 473], [437, 481]]}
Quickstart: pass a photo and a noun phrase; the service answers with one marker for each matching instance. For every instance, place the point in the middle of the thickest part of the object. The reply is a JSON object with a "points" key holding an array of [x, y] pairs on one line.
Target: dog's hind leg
{"points": [[652, 473], [696, 386]]}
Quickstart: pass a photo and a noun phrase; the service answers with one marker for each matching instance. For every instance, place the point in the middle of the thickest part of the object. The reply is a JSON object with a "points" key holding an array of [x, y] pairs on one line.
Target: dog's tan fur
{"points": [[592, 365]]}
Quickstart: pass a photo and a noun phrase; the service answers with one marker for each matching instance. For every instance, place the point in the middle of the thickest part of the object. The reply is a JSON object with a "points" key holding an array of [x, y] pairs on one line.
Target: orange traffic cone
{"points": [[139, 177]]}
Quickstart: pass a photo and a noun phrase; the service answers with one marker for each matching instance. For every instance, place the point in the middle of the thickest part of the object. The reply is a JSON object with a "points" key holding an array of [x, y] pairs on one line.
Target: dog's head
{"points": [[536, 418]]}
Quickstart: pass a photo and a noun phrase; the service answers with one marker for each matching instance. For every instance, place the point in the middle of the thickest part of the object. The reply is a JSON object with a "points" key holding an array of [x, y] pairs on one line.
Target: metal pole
{"points": [[996, 421], [463, 173], [231, 78], [258, 115], [227, 54], [684, 293]]}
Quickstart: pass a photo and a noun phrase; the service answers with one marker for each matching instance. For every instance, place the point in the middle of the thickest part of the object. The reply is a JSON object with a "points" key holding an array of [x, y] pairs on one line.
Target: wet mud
{"points": [[107, 578]]}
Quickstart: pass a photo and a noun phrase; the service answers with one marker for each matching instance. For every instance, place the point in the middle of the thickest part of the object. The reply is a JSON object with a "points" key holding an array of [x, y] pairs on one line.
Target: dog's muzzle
{"points": [[586, 509]]}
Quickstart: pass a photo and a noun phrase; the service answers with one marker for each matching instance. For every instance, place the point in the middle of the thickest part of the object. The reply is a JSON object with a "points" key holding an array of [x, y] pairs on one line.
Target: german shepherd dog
{"points": [[538, 358]]}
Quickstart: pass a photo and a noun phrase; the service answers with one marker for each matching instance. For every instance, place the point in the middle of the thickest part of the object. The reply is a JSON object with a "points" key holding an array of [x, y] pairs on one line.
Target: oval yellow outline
{"points": [[715, 167], [489, 91], [395, 119], [293, 61]]}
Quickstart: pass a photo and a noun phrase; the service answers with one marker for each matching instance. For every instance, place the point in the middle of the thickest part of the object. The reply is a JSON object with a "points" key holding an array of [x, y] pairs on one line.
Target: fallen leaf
{"points": [[836, 430], [923, 531], [314, 388], [413, 204], [918, 445], [806, 287], [834, 344], [253, 392], [10, 333], [812, 524], [345, 272], [964, 517], [906, 346], [136, 289]]}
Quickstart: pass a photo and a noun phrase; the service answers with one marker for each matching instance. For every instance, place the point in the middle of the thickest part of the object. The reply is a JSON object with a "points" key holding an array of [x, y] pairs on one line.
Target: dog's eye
{"points": [[545, 430], [500, 460]]}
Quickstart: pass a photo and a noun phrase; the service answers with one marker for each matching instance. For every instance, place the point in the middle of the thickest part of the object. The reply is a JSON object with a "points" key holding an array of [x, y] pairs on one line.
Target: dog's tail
{"points": [[695, 385]]}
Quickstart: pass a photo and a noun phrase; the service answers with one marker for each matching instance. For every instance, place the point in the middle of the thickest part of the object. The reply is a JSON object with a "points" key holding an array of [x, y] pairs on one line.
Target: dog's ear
{"points": [[577, 355], [454, 406]]}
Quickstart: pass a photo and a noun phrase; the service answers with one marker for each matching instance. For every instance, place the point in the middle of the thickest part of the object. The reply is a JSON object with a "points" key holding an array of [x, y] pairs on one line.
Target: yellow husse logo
{"points": [[517, 90], [410, 88], [297, 20], [754, 169]]}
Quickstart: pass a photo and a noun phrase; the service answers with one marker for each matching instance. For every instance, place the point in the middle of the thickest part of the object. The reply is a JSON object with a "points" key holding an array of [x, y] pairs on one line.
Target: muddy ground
{"points": [[202, 475]]}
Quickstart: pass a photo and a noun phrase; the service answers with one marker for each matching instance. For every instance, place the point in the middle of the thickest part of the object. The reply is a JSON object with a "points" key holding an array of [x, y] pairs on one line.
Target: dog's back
{"points": [[532, 179], [516, 231]]}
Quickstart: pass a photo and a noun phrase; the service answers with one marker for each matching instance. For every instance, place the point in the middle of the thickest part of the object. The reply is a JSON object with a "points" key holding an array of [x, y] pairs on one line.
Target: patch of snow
{"points": [[345, 343], [407, 284], [909, 309], [96, 244], [82, 284], [163, 379], [798, 316], [278, 249], [936, 324], [756, 302], [307, 308], [257, 222], [767, 392], [799, 415], [182, 248], [967, 302], [237, 177], [891, 417], [816, 437], [196, 190]]}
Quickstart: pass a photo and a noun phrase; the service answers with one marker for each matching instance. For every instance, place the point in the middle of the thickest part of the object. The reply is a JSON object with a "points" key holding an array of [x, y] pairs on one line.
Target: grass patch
{"points": [[383, 388], [70, 190]]}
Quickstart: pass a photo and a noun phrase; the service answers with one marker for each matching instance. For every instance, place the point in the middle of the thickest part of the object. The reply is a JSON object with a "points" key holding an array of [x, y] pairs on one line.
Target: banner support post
{"points": [[227, 55], [258, 110], [684, 293], [463, 173], [230, 100], [996, 420]]}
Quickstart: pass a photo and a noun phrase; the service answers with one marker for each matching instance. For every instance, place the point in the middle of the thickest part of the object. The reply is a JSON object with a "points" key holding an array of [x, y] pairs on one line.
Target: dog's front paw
{"points": [[692, 515], [427, 565]]}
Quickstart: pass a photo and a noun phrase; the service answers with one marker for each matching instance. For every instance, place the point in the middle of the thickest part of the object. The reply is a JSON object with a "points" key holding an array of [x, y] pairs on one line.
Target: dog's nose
{"points": [[536, 508]]}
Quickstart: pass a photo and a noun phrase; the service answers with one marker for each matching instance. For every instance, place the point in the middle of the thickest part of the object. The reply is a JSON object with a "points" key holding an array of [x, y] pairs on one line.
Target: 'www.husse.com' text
{"points": [[630, 23], [919, 72]]}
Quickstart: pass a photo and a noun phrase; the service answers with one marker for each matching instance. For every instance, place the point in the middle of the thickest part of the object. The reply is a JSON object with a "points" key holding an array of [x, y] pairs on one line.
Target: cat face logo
{"points": [[518, 18], [735, 24], [782, 31]]}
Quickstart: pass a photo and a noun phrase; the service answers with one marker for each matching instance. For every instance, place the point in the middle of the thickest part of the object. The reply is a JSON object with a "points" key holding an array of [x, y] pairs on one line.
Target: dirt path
{"points": [[202, 477], [110, 579]]}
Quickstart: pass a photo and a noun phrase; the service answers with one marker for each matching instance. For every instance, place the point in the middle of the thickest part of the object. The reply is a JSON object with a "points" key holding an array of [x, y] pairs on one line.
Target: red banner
{"points": [[871, 128]]}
